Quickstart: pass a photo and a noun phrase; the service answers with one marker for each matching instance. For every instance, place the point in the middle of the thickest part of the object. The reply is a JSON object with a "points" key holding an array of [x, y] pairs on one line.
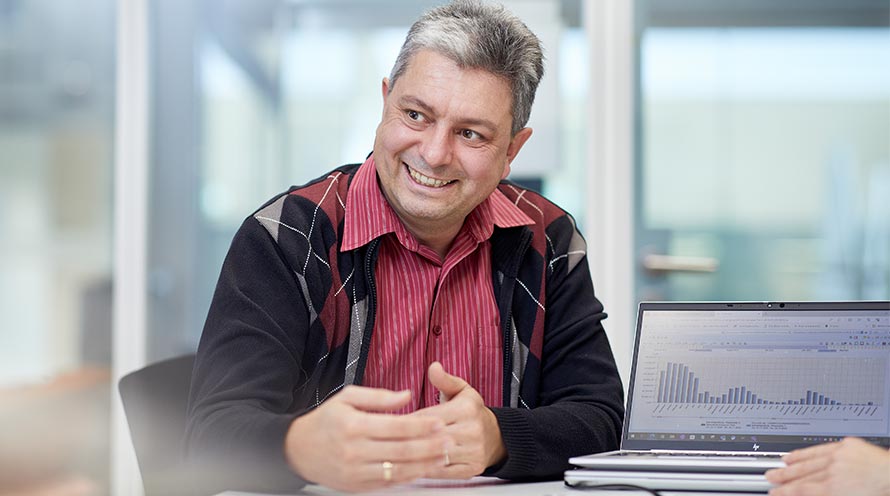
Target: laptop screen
{"points": [[759, 376]]}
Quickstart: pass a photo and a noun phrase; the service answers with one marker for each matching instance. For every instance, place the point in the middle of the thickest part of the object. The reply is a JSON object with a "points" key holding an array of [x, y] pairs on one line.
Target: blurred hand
{"points": [[472, 426], [344, 443], [851, 467]]}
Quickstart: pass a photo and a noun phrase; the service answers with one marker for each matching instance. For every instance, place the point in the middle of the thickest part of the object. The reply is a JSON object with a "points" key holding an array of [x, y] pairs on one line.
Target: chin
{"points": [[426, 214]]}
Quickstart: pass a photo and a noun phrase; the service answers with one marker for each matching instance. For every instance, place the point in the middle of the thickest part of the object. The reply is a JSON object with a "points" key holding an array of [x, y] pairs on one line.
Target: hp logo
{"points": [[756, 446]]}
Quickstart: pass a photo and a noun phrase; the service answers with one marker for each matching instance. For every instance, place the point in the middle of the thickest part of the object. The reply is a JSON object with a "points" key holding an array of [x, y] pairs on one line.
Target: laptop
{"points": [[720, 391]]}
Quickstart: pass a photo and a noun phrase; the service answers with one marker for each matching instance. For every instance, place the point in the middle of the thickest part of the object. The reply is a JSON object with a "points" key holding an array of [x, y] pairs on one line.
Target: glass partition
{"points": [[763, 160], [56, 132]]}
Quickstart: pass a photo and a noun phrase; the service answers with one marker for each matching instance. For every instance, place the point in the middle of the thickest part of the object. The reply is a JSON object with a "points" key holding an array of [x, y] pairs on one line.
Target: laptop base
{"points": [[684, 481]]}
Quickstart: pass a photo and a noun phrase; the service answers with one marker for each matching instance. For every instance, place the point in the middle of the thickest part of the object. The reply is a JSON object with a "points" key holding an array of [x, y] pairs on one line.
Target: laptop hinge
{"points": [[712, 452]]}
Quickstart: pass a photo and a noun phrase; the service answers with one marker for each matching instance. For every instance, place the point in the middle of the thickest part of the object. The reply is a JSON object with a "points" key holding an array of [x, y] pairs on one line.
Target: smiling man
{"points": [[443, 145], [415, 315]]}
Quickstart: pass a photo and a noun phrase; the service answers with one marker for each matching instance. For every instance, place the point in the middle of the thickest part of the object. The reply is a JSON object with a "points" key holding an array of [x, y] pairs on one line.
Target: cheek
{"points": [[485, 170], [394, 136]]}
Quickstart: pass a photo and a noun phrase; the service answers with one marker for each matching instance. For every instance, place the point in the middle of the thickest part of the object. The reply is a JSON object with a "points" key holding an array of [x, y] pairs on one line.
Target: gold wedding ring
{"points": [[387, 471]]}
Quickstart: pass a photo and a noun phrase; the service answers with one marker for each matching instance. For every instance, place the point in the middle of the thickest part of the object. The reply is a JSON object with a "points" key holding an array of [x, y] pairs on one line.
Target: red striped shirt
{"points": [[430, 310]]}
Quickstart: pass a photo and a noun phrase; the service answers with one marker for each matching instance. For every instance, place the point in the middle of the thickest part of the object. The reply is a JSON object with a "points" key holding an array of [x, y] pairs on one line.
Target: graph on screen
{"points": [[845, 381], [782, 376]]}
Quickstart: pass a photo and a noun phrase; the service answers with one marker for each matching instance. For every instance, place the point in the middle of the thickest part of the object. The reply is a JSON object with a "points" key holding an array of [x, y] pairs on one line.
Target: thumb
{"points": [[447, 384]]}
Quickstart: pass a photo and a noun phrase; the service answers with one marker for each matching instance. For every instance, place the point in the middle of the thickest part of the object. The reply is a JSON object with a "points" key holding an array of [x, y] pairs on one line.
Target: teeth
{"points": [[426, 181]]}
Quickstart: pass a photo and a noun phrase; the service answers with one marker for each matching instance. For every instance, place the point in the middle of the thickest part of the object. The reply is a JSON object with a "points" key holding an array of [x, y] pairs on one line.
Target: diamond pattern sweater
{"points": [[291, 322]]}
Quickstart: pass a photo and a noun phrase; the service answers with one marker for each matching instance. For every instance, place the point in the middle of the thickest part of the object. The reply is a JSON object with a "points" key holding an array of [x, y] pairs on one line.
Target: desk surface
{"points": [[486, 486]]}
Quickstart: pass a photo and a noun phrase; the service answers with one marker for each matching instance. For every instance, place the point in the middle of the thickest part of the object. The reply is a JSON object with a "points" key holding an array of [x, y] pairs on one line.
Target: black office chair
{"points": [[155, 399]]}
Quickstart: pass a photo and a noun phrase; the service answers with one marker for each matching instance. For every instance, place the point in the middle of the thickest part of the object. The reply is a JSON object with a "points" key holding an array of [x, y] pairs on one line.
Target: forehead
{"points": [[451, 90]]}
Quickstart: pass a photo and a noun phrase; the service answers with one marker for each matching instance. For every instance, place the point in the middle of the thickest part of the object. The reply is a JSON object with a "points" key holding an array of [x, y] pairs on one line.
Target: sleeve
{"points": [[581, 400], [246, 369]]}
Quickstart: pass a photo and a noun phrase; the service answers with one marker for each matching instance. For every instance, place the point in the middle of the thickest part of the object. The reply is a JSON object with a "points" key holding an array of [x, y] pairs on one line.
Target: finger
{"points": [[430, 450], [462, 414], [385, 426], [811, 452], [372, 474], [449, 385], [775, 475], [373, 399], [856, 445], [449, 413], [454, 471], [807, 470], [458, 454]]}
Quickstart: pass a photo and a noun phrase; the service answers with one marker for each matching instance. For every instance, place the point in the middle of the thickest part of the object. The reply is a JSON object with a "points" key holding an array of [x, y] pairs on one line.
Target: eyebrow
{"points": [[417, 102]]}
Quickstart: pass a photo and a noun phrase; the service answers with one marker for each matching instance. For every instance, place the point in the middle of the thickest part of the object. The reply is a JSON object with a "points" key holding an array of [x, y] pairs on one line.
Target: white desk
{"points": [[486, 486]]}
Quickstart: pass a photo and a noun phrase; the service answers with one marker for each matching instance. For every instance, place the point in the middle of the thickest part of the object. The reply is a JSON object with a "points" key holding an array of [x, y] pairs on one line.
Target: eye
{"points": [[470, 134], [414, 115]]}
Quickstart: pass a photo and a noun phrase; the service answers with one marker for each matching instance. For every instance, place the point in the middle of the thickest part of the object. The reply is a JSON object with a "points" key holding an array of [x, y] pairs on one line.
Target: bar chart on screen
{"points": [[678, 383], [776, 374], [766, 394]]}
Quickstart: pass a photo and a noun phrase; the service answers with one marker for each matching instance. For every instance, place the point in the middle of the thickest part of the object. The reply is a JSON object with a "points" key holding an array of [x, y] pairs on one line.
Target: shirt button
{"points": [[437, 329]]}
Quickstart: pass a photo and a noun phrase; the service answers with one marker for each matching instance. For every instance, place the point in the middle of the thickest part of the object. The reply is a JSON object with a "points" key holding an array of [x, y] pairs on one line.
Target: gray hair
{"points": [[479, 36]]}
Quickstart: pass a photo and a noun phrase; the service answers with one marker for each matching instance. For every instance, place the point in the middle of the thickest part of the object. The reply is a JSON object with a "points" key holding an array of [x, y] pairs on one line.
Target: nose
{"points": [[435, 148]]}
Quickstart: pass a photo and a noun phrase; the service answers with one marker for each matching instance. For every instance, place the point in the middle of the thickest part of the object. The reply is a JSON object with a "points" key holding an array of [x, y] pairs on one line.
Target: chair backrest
{"points": [[155, 400]]}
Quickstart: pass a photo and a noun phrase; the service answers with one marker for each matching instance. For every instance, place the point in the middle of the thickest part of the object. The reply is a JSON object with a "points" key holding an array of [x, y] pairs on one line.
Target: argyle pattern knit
{"points": [[292, 318]]}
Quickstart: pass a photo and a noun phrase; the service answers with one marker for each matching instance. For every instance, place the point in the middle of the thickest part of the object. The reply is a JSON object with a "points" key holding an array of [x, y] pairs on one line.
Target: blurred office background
{"points": [[760, 147]]}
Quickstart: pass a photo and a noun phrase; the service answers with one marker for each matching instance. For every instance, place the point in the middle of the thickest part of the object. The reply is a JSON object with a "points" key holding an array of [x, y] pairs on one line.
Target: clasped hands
{"points": [[348, 443]]}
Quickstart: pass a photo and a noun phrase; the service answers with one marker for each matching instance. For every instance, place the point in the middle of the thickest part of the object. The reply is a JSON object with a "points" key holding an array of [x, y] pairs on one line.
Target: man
{"points": [[851, 467], [415, 315]]}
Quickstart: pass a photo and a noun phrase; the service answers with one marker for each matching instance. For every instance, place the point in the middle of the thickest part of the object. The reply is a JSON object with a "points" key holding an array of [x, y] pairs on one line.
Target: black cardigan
{"points": [[292, 318]]}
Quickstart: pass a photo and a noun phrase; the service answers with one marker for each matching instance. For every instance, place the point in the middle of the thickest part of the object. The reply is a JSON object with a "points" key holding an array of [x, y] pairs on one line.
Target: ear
{"points": [[384, 89], [515, 145]]}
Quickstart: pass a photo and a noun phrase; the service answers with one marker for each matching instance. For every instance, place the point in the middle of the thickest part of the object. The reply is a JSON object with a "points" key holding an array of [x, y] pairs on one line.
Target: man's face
{"points": [[444, 142]]}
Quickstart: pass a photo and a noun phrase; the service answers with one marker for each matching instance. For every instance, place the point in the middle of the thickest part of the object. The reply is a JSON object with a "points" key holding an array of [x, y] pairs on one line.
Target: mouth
{"points": [[426, 180]]}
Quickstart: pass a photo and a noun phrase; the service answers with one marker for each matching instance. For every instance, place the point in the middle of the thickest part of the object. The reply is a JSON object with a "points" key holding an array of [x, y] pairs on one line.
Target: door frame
{"points": [[609, 225]]}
